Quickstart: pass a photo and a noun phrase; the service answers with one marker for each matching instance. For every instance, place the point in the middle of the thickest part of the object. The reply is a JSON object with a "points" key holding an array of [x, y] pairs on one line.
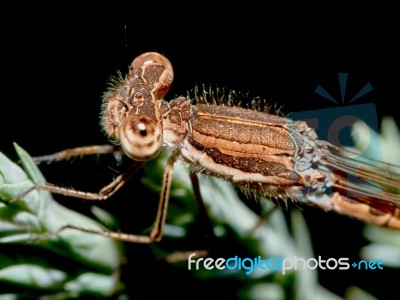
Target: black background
{"points": [[55, 69]]}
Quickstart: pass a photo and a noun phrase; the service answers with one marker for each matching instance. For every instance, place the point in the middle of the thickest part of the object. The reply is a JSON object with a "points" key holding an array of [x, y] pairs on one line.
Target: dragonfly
{"points": [[259, 152]]}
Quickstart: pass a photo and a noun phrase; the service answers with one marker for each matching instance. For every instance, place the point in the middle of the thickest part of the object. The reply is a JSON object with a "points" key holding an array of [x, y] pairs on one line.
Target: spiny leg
{"points": [[262, 220], [157, 231], [104, 193], [203, 217], [79, 151]]}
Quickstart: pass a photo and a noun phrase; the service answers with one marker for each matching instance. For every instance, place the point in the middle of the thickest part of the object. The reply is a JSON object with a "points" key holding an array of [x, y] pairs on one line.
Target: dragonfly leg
{"points": [[157, 231], [104, 193], [263, 219], [79, 151], [203, 216]]}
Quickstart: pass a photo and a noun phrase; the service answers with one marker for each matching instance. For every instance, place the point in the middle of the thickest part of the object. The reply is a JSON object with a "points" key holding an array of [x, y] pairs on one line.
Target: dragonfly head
{"points": [[131, 107]]}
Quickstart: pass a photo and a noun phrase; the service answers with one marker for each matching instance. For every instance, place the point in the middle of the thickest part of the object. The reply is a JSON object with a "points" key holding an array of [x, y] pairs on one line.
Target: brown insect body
{"points": [[265, 154]]}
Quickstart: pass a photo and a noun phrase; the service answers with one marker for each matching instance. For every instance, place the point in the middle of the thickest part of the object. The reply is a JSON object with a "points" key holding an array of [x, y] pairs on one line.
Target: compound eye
{"points": [[157, 69], [150, 58], [141, 137]]}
